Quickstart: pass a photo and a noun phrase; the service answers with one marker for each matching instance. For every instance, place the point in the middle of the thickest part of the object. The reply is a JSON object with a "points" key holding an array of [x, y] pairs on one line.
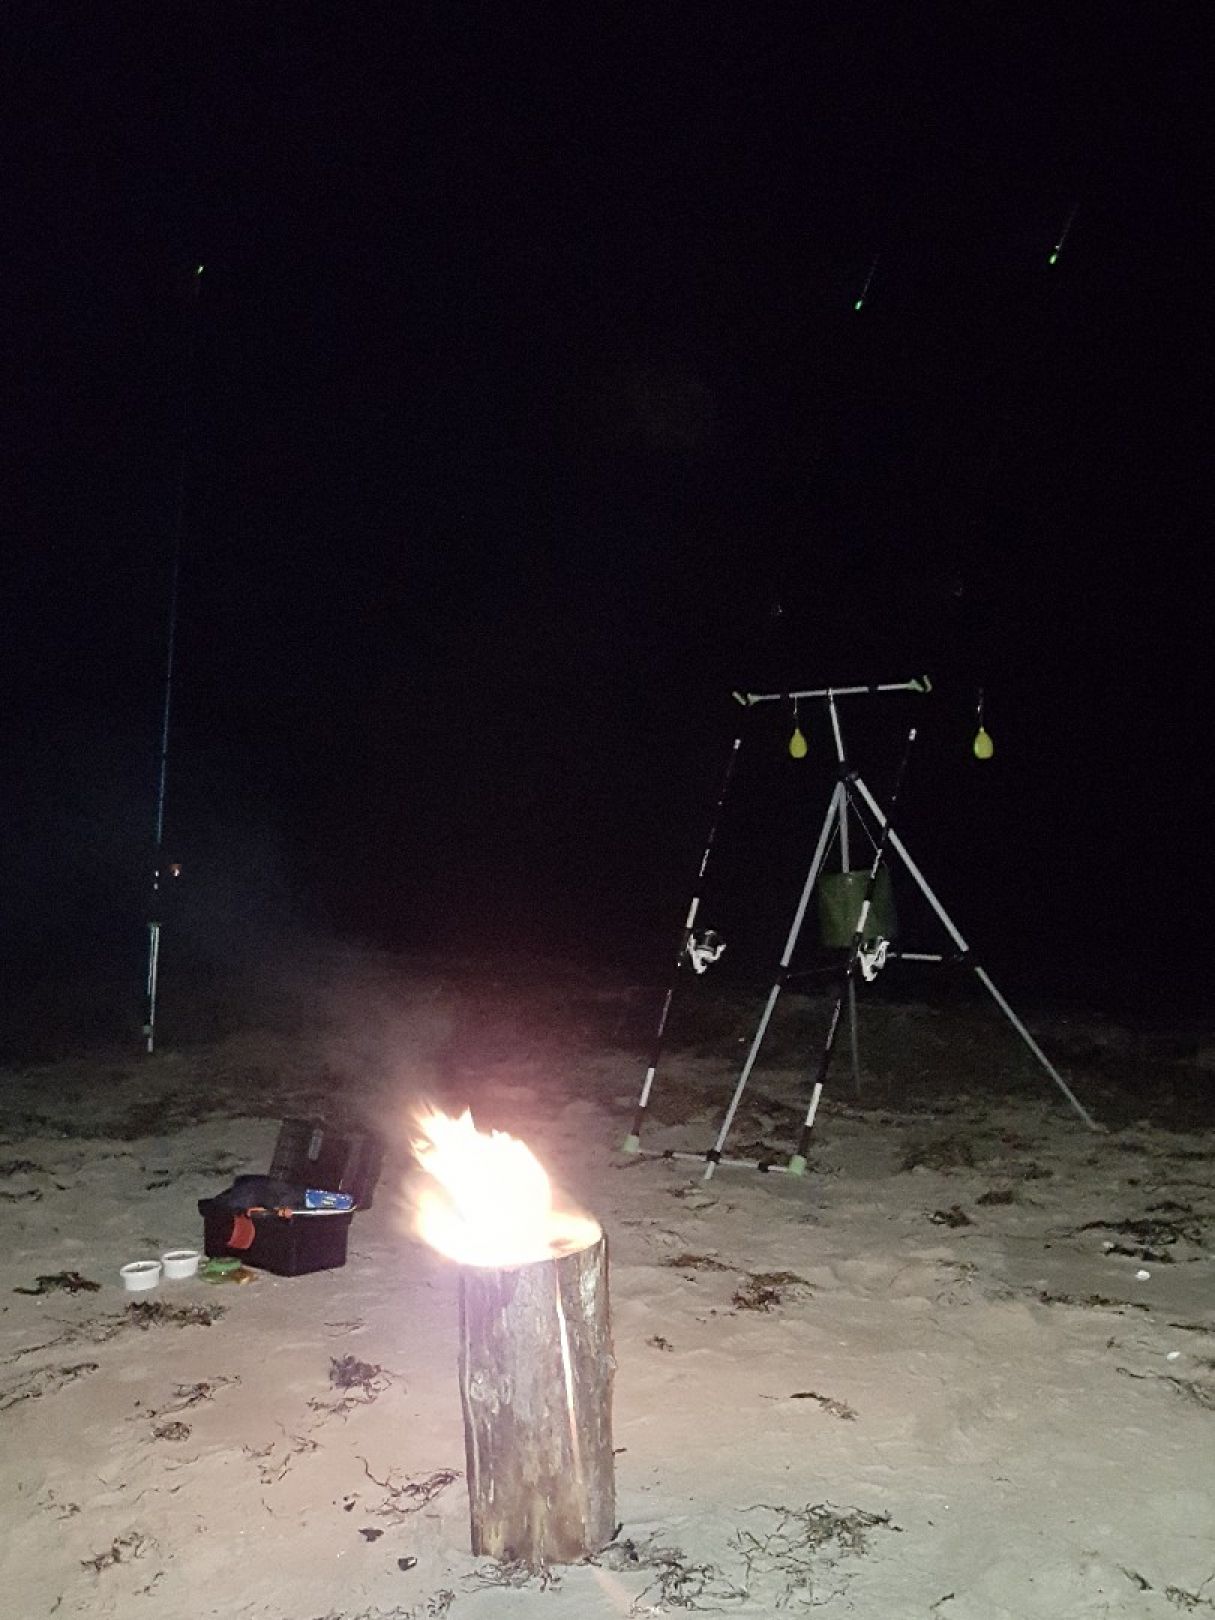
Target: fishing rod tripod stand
{"points": [[850, 796]]}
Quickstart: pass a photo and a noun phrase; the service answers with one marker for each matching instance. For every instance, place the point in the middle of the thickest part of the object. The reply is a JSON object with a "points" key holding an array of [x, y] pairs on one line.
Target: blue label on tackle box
{"points": [[317, 1198]]}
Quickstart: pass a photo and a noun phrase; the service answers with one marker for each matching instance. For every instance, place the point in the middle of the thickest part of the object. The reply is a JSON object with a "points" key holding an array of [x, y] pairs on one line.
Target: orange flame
{"points": [[490, 1202]]}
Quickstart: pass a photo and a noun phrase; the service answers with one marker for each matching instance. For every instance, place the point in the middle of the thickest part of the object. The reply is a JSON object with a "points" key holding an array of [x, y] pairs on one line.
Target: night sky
{"points": [[522, 411]]}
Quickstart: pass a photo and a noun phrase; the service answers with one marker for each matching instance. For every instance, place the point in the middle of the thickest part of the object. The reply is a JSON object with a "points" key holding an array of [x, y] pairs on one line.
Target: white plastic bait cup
{"points": [[179, 1263], [140, 1275]]}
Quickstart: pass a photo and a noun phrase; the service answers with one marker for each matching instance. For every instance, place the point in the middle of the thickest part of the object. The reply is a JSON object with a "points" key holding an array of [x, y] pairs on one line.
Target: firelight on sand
{"points": [[489, 1201]]}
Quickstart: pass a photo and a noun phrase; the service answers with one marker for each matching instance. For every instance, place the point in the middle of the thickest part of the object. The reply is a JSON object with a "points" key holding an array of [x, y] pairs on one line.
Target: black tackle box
{"points": [[262, 1219]]}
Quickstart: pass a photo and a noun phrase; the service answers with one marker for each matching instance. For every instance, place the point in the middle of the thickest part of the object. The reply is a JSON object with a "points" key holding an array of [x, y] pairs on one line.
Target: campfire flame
{"points": [[490, 1202]]}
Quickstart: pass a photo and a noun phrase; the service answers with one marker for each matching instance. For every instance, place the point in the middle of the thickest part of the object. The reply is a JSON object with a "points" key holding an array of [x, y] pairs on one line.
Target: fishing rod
{"points": [[152, 982]]}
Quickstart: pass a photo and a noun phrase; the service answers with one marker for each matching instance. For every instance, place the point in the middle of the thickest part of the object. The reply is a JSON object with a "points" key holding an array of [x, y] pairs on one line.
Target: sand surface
{"points": [[965, 1368]]}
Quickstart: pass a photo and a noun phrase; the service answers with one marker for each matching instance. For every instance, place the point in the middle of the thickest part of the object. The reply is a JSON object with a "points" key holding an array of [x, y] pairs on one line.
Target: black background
{"points": [[522, 411]]}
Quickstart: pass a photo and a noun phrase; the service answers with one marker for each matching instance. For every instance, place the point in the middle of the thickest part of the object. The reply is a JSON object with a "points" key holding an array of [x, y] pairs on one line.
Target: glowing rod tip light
{"points": [[1062, 242], [859, 304]]}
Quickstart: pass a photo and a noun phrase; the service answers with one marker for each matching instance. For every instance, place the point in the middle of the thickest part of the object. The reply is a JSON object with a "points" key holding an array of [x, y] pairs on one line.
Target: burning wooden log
{"points": [[536, 1363], [536, 1372]]}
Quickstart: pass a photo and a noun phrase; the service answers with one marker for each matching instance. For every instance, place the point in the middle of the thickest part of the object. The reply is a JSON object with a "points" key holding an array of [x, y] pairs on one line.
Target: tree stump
{"points": [[536, 1370]]}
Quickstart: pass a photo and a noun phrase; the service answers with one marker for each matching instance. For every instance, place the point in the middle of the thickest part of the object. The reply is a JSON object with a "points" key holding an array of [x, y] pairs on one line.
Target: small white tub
{"points": [[140, 1275], [179, 1263]]}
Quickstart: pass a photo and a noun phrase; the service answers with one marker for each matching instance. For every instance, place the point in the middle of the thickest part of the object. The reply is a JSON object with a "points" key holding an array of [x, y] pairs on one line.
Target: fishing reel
{"points": [[702, 950], [871, 958]]}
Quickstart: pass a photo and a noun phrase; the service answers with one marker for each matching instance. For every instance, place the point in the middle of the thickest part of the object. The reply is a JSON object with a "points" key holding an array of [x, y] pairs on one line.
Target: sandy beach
{"points": [[964, 1369]]}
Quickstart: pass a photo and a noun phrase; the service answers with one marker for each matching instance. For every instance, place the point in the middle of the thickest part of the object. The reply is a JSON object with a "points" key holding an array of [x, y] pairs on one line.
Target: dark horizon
{"points": [[523, 410]]}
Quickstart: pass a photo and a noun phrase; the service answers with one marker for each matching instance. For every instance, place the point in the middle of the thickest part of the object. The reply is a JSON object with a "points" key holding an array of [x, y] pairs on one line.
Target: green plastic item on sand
{"points": [[220, 1269]]}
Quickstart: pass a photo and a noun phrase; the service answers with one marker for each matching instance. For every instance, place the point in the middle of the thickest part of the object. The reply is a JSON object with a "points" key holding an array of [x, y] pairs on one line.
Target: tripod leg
{"points": [[985, 981], [980, 973], [834, 808]]}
